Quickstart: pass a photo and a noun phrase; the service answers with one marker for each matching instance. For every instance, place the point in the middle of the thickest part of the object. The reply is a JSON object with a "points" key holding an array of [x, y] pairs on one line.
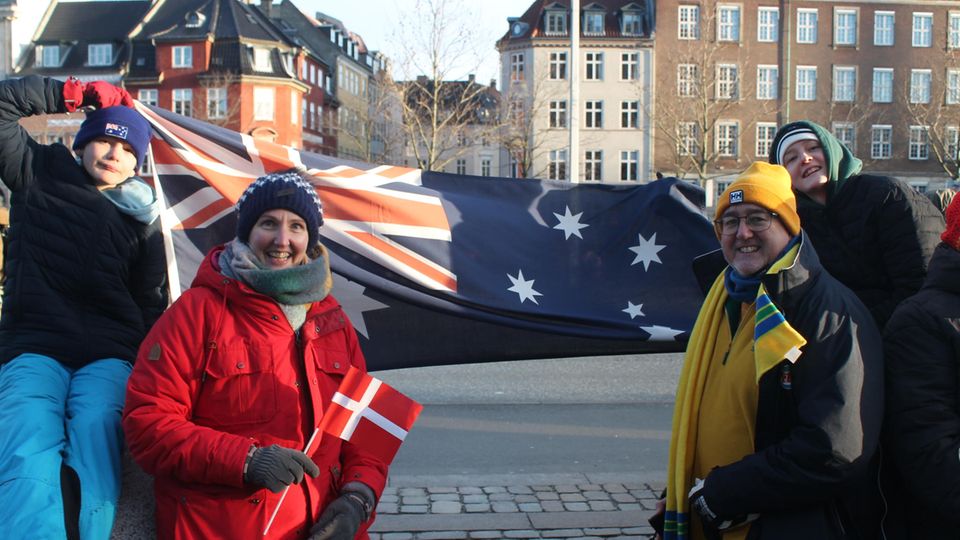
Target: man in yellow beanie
{"points": [[779, 403]]}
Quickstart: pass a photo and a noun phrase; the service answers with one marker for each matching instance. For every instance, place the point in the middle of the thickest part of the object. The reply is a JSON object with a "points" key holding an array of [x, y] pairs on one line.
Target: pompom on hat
{"points": [[287, 190], [951, 236], [118, 122], [767, 186]]}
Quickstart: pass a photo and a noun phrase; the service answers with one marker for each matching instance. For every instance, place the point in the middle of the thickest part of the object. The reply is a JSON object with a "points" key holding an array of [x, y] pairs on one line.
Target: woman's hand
{"points": [[341, 518], [276, 467]]}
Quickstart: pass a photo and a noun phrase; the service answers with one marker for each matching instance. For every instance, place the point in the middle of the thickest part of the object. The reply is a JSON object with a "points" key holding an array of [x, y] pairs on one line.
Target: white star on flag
{"points": [[646, 251], [523, 288], [634, 310], [661, 333], [354, 302], [570, 224]]}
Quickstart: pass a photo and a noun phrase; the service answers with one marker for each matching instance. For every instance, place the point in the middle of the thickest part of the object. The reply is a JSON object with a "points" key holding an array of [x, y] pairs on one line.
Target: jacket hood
{"points": [[841, 163], [944, 269]]}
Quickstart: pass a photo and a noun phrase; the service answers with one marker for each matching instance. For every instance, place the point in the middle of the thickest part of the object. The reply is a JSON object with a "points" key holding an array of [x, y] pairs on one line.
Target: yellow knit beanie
{"points": [[764, 185]]}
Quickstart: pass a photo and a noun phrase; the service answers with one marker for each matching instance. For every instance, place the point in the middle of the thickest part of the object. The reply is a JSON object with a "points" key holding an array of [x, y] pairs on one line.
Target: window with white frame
{"points": [[312, 115], [629, 66], [727, 139], [768, 24], [953, 30], [629, 114], [883, 85], [593, 114], [727, 81], [919, 143], [558, 114], [806, 83], [216, 102], [631, 24], [516, 67], [688, 20], [844, 83], [486, 166], [688, 134], [99, 54], [881, 146], [47, 56], [922, 30], [629, 165], [461, 166], [557, 169], [313, 74], [844, 132], [594, 66], [766, 131], [768, 81], [728, 23], [183, 101], [593, 23], [951, 142], [593, 165], [953, 86], [556, 23], [806, 25], [844, 26], [883, 28], [182, 56], [261, 60], [294, 98], [148, 96], [920, 85], [263, 102], [688, 80], [558, 66]]}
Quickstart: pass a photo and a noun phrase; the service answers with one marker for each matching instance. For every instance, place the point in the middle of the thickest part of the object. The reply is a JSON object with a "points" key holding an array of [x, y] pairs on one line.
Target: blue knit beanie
{"points": [[119, 122], [287, 190]]}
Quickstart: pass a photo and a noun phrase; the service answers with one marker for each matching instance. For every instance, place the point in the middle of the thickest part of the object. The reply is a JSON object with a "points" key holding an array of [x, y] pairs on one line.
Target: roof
{"points": [[532, 21], [93, 22], [482, 101]]}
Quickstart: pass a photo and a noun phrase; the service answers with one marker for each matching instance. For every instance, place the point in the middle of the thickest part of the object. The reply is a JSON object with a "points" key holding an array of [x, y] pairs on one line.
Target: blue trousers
{"points": [[52, 415]]}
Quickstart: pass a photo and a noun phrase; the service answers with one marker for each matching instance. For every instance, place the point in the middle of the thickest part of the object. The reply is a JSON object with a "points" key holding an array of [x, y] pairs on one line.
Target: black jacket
{"points": [[876, 236], [922, 433], [813, 472], [84, 281]]}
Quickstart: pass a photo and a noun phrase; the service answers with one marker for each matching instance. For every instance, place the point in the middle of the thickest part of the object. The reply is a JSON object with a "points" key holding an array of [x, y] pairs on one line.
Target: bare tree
{"points": [[934, 118], [375, 134], [520, 107], [225, 113]]}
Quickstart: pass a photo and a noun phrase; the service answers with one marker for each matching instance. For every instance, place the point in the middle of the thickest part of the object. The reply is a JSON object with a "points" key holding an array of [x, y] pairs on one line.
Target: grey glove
{"points": [[341, 519], [276, 467]]}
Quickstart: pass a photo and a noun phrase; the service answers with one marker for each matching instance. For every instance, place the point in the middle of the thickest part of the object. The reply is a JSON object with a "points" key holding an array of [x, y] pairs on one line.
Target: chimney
{"points": [[265, 7], [471, 78]]}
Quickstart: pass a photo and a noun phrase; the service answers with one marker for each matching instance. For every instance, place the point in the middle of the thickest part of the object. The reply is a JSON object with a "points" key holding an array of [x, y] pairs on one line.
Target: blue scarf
{"points": [[135, 198], [744, 289]]}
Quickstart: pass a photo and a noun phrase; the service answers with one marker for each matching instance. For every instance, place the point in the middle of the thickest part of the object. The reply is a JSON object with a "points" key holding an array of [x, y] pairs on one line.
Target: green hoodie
{"points": [[841, 163]]}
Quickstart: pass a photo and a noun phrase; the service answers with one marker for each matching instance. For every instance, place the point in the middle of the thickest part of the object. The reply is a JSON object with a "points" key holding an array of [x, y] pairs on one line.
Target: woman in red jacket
{"points": [[232, 381]]}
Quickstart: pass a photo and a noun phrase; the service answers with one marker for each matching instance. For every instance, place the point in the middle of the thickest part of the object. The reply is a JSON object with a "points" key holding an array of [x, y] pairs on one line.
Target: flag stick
{"points": [[284, 496]]}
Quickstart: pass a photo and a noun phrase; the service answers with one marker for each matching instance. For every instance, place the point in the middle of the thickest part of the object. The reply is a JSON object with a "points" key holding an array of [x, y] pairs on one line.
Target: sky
{"points": [[379, 30]]}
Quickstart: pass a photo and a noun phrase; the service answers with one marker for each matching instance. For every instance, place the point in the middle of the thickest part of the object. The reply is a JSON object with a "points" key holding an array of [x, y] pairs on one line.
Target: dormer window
{"points": [[593, 23], [630, 23], [99, 54], [261, 60], [195, 19], [556, 22], [47, 56]]}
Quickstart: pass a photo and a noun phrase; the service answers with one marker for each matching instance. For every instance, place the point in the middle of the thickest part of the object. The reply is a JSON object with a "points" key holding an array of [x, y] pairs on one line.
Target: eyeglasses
{"points": [[757, 222]]}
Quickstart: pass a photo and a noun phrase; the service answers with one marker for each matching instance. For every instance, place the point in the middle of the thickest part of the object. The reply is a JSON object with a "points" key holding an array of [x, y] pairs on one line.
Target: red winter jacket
{"points": [[221, 370]]}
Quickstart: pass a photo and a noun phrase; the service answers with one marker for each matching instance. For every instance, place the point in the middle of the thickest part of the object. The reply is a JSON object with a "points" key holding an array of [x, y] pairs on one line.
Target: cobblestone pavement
{"points": [[547, 510]]}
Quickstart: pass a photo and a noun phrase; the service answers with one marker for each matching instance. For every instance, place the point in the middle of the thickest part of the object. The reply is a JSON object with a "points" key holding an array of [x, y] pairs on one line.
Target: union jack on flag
{"points": [[435, 268], [115, 130]]}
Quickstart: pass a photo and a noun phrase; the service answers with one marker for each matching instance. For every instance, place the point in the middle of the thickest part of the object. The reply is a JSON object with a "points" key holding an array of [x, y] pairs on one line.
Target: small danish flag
{"points": [[370, 414]]}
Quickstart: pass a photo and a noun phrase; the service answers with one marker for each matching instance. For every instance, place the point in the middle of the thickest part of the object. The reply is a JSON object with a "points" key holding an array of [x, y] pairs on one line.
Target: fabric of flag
{"points": [[435, 268], [370, 414]]}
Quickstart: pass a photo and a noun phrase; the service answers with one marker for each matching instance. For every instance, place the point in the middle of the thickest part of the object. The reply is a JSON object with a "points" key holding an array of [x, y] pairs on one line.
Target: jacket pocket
{"points": [[239, 386]]}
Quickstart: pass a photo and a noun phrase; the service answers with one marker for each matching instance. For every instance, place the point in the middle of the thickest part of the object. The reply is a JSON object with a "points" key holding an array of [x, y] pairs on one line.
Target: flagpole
{"points": [[574, 91], [284, 496]]}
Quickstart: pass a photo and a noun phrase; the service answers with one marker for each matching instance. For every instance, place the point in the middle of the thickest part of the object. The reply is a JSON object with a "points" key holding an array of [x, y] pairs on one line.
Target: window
{"points": [[922, 29], [556, 23], [558, 114], [557, 170], [148, 96], [261, 60], [631, 24], [593, 23], [183, 101], [313, 74], [47, 56], [312, 115], [806, 25], [844, 83], [920, 85], [99, 54], [883, 28], [765, 133], [688, 80], [844, 26], [183, 56], [263, 103], [768, 24], [919, 149], [593, 165], [594, 114], [727, 81], [461, 138], [728, 23], [727, 134], [768, 81], [689, 22], [953, 30], [486, 166], [461, 166], [687, 138], [882, 85], [558, 66], [844, 132], [630, 165], [953, 86], [951, 138], [594, 65], [629, 114], [806, 83], [880, 146], [629, 66], [516, 67], [216, 102]]}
